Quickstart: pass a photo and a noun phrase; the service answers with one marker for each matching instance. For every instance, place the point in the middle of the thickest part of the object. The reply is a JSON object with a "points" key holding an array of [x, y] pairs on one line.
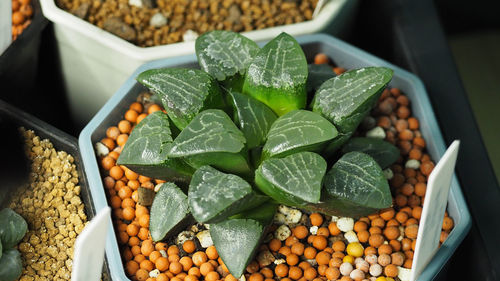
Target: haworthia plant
{"points": [[277, 75], [254, 118], [184, 92], [294, 180], [13, 227], [146, 151], [226, 56], [298, 130], [237, 239], [346, 99], [170, 202], [383, 152], [227, 191], [11, 265], [212, 139], [213, 195], [355, 186]]}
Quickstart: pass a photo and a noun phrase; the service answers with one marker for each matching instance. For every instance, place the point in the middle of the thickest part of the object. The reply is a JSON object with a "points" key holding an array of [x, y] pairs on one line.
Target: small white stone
{"points": [[404, 273], [101, 150], [184, 236], [346, 268], [189, 35], [312, 262], [137, 3], [205, 238], [401, 233], [358, 260], [157, 187], [357, 274], [206, 225], [279, 218], [351, 236], [282, 233], [375, 269], [371, 259], [335, 218], [412, 164], [163, 253], [376, 133], [345, 224], [292, 215], [279, 261], [388, 173], [154, 273], [313, 230], [158, 20], [242, 278]]}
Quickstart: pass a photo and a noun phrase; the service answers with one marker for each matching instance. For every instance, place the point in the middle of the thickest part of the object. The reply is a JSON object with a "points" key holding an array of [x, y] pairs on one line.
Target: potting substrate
{"points": [[22, 12], [300, 244]]}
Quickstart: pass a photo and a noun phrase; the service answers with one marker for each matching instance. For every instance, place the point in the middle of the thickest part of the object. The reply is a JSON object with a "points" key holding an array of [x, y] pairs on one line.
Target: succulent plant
{"points": [[12, 229], [247, 141]]}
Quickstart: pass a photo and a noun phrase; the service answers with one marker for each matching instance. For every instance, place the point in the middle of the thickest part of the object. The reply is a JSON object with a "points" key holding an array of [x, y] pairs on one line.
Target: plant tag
{"points": [[320, 5], [89, 248], [436, 198], [5, 24]]}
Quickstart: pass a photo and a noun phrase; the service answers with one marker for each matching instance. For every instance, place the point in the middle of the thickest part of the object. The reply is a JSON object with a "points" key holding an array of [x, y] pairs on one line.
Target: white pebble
{"points": [[358, 260], [363, 265], [279, 218], [412, 164], [163, 253], [185, 236], [137, 3], [189, 35], [282, 233], [371, 259], [401, 233], [313, 230], [351, 236], [242, 278], [292, 215], [101, 150], [388, 173], [279, 261], [154, 273], [404, 273], [375, 269], [357, 274], [312, 262], [157, 187], [346, 268], [206, 225], [376, 133], [335, 218], [158, 20], [205, 238], [345, 224]]}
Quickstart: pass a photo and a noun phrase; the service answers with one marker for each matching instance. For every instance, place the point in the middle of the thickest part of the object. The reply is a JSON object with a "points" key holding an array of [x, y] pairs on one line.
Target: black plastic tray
{"points": [[61, 141]]}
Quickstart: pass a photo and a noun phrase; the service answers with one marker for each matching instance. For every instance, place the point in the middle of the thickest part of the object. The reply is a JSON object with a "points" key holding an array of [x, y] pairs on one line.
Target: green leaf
{"points": [[354, 187], [238, 238], [11, 265], [214, 196], [254, 117], [212, 139], [184, 92], [13, 227], [383, 152], [298, 130], [277, 76], [346, 99], [318, 74], [1, 248], [147, 147], [294, 180], [225, 55], [169, 212]]}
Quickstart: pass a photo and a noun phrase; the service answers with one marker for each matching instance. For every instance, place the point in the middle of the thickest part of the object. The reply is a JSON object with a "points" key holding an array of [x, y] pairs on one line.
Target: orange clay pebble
{"points": [[295, 273], [320, 242], [292, 259], [153, 108], [375, 230], [230, 277], [298, 248], [199, 258], [267, 272], [139, 258], [426, 167], [291, 240], [142, 275], [133, 241], [320, 58], [401, 217], [175, 267], [332, 273], [420, 189], [214, 276], [116, 172], [397, 258], [147, 265], [205, 268], [376, 240], [136, 106], [310, 273], [332, 227], [132, 267], [447, 223], [144, 221], [154, 256], [363, 236], [186, 262], [281, 270], [189, 246], [211, 253], [304, 265], [285, 250], [124, 126], [378, 222], [131, 115], [128, 213], [316, 219], [387, 214], [391, 270], [385, 249], [195, 271], [141, 117], [392, 222], [323, 258], [310, 253], [335, 262], [323, 231], [190, 278], [411, 231], [416, 212], [275, 245], [395, 244], [391, 232], [121, 139], [360, 226], [370, 251], [407, 189], [256, 276], [321, 269], [147, 247]]}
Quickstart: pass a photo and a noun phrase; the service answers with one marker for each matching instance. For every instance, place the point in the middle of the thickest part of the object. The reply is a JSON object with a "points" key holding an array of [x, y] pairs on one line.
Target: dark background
{"points": [[453, 46]]}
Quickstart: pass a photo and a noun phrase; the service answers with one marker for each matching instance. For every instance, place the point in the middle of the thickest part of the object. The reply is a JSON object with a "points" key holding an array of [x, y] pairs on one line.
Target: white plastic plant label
{"points": [[5, 24], [436, 198], [89, 248], [319, 5]]}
